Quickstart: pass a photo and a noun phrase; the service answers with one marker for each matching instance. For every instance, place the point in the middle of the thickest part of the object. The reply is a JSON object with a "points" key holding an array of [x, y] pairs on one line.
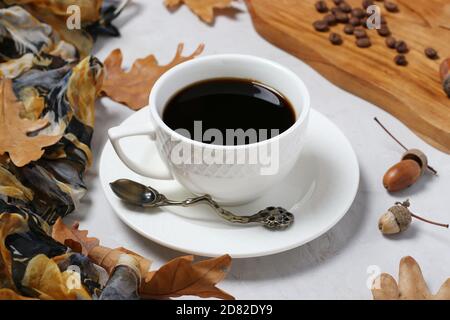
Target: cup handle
{"points": [[117, 133]]}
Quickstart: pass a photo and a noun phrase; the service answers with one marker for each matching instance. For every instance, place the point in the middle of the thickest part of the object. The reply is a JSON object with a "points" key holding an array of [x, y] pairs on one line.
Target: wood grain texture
{"points": [[413, 94]]}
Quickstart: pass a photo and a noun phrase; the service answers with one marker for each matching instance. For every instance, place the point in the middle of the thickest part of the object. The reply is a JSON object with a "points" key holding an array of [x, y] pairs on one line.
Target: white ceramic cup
{"points": [[238, 178]]}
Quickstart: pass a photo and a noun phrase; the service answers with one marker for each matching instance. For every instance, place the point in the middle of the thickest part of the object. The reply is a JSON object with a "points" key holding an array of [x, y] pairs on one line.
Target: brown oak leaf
{"points": [[204, 9], [181, 277], [411, 285], [133, 88], [74, 238], [15, 138]]}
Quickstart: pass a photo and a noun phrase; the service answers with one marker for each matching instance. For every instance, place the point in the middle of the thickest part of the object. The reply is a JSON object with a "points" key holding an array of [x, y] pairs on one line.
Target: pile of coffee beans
{"points": [[355, 21]]}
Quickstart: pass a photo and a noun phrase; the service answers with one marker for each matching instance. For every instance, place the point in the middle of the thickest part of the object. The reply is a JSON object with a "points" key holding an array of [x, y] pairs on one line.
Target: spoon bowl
{"points": [[134, 193]]}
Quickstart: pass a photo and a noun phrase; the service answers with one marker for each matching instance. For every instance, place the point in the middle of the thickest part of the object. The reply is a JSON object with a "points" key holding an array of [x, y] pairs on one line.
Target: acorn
{"points": [[400, 176], [398, 218], [413, 165]]}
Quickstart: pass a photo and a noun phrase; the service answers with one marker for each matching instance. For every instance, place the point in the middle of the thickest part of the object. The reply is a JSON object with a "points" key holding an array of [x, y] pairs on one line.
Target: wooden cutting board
{"points": [[413, 93]]}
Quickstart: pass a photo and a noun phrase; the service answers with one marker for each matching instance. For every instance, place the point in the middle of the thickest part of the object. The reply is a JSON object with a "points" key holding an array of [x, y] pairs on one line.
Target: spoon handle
{"points": [[225, 214]]}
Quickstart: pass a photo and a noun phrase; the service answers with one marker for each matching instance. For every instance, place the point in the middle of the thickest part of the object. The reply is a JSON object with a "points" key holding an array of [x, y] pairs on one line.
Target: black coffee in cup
{"points": [[249, 110]]}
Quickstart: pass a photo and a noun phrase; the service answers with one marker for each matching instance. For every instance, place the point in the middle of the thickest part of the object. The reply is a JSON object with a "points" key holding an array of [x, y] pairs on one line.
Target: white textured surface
{"points": [[333, 266]]}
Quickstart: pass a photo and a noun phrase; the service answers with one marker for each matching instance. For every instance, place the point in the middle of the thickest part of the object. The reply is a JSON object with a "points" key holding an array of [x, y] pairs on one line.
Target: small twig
{"points": [[428, 221], [390, 134], [401, 144], [432, 170]]}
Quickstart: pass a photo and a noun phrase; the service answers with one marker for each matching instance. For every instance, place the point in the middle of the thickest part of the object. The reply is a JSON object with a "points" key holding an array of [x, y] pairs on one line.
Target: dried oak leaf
{"points": [[79, 241], [15, 131], [204, 9], [133, 88], [74, 238], [181, 277], [411, 285]]}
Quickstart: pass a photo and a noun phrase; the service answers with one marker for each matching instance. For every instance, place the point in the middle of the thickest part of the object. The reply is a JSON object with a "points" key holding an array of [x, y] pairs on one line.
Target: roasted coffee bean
{"points": [[363, 42], [330, 19], [348, 29], [337, 2], [367, 3], [390, 42], [360, 33], [341, 17], [384, 31], [400, 60], [431, 53], [358, 13], [401, 46], [345, 7], [354, 21], [321, 26], [390, 6], [335, 39], [321, 6]]}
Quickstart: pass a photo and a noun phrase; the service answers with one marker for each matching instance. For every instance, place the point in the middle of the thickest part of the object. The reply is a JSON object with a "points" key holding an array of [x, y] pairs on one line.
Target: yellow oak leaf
{"points": [[133, 88], [15, 132]]}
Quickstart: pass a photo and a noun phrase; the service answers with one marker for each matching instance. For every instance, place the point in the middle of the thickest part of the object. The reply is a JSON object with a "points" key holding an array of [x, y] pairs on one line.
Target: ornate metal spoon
{"points": [[275, 218]]}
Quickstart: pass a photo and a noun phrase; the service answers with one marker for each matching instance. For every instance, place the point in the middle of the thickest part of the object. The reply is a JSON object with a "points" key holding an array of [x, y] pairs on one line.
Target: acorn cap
{"points": [[402, 216], [419, 157]]}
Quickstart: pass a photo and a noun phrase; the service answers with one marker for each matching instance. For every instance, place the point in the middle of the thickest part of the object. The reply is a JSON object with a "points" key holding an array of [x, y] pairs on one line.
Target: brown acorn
{"points": [[398, 218], [413, 165], [405, 173]]}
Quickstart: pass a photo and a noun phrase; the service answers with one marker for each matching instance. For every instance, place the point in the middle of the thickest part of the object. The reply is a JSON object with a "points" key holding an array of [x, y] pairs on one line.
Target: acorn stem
{"points": [[401, 144], [390, 134], [428, 221], [432, 170]]}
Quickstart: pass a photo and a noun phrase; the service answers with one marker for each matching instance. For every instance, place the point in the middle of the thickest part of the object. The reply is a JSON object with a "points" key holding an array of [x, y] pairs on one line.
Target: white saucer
{"points": [[319, 192]]}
